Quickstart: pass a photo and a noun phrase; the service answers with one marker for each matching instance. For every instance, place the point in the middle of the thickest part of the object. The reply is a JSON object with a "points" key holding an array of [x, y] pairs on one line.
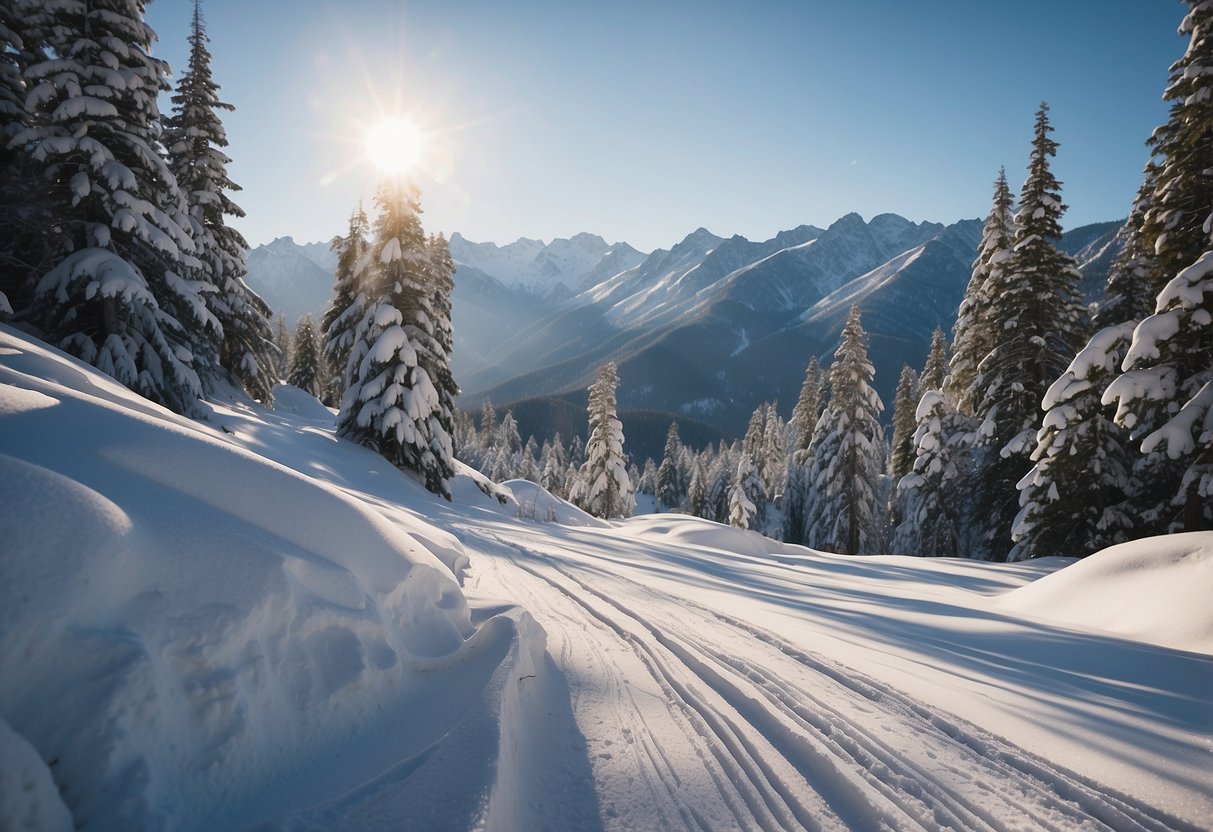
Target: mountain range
{"points": [[705, 330]]}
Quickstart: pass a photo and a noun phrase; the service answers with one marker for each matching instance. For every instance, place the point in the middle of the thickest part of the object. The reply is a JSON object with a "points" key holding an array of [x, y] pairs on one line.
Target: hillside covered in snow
{"points": [[245, 622]]}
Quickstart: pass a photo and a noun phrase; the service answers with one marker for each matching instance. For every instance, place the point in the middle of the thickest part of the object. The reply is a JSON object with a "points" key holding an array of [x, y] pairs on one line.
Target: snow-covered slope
{"points": [[560, 266], [247, 622]]}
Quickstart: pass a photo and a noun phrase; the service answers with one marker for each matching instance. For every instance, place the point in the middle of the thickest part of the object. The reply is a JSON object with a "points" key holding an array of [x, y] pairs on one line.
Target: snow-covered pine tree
{"points": [[607, 488], [554, 464], [973, 334], [346, 310], [846, 458], [720, 478], [1127, 295], [392, 405], [747, 495], [437, 362], [194, 136], [930, 500], [117, 293], [697, 491], [282, 341], [506, 449], [1164, 394], [905, 403], [1088, 488], [807, 411], [20, 247], [935, 370], [528, 466], [307, 371], [743, 511], [774, 454], [803, 422], [1038, 321], [670, 490], [1072, 502]]}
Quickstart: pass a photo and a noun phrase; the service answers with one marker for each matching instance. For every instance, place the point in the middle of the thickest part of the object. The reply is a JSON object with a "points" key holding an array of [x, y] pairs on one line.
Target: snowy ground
{"points": [[247, 623]]}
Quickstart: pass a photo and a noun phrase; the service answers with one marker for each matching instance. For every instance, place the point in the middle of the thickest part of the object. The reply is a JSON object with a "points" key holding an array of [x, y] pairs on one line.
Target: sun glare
{"points": [[395, 146]]}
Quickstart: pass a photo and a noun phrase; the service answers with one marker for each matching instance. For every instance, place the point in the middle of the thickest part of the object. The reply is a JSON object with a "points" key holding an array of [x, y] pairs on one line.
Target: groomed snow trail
{"points": [[695, 719]]}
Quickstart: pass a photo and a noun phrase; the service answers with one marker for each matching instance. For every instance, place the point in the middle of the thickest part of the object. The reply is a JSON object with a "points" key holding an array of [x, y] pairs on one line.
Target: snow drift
{"points": [[183, 621], [1154, 590]]}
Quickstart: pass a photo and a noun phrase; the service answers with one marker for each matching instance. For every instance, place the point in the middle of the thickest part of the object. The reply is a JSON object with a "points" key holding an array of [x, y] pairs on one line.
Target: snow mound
{"points": [[695, 533], [28, 797], [198, 627], [537, 503], [1154, 590], [290, 399]]}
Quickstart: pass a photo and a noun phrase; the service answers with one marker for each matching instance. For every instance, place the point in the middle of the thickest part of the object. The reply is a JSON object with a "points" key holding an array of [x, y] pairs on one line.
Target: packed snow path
{"points": [[245, 623], [695, 719]]}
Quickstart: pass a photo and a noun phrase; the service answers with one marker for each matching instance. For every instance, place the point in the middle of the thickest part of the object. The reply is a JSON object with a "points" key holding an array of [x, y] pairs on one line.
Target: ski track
{"points": [[771, 736]]}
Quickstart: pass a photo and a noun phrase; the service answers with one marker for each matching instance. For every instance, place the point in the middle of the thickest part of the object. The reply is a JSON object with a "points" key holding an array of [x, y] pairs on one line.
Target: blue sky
{"points": [[641, 121]]}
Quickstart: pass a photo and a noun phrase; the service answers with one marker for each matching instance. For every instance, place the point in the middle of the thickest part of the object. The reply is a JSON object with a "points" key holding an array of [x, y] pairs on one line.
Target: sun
{"points": [[395, 146]]}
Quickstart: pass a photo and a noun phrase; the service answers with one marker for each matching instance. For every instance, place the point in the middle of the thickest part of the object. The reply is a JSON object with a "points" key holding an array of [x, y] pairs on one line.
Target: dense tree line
{"points": [[1050, 428]]}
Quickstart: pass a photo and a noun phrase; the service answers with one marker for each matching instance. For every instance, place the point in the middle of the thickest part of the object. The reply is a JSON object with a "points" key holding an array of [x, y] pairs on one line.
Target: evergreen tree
{"points": [[670, 490], [282, 342], [795, 502], [348, 306], [554, 464], [21, 247], [307, 363], [974, 332], [930, 499], [742, 509], [1174, 223], [804, 421], [1164, 394], [488, 424], [608, 490], [117, 293], [392, 405], [774, 454], [935, 371], [807, 411], [847, 453], [905, 403], [437, 361], [1073, 501], [1127, 295], [194, 136], [697, 492], [1035, 304]]}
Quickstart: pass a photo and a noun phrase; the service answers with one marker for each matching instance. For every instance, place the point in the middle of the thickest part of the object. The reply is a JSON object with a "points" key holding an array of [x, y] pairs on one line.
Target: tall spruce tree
{"points": [[746, 494], [118, 292], [1087, 490], [194, 136], [930, 499], [807, 410], [905, 403], [1034, 302], [307, 371], [1164, 394], [21, 247], [339, 326], [1072, 501], [670, 489], [392, 404], [843, 513], [437, 361], [974, 332], [803, 422], [607, 489]]}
